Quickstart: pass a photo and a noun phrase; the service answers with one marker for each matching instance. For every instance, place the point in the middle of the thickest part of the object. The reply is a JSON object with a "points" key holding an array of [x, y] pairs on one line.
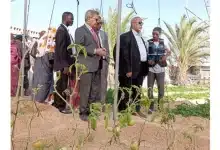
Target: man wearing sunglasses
{"points": [[133, 66], [157, 54], [104, 72], [90, 82]]}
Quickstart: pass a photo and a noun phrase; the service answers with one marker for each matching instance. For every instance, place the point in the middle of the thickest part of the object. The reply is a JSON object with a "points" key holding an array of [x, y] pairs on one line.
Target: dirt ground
{"points": [[57, 130]]}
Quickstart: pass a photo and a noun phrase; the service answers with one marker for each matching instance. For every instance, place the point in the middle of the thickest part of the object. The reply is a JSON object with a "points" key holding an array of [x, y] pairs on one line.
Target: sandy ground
{"points": [[57, 131]]}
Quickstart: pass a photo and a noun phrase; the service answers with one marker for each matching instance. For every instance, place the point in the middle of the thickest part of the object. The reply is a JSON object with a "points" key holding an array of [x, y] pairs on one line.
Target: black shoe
{"points": [[66, 111], [83, 117], [142, 115]]}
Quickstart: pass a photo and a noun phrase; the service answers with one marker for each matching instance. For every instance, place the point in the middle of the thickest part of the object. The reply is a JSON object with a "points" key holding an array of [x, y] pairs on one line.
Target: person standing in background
{"points": [[104, 72], [62, 61], [133, 66], [157, 54], [27, 64], [90, 82], [42, 69], [15, 65]]}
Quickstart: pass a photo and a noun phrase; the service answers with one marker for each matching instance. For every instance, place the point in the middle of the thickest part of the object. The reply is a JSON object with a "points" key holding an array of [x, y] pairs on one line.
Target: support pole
{"points": [[158, 12], [115, 107], [24, 46], [77, 13]]}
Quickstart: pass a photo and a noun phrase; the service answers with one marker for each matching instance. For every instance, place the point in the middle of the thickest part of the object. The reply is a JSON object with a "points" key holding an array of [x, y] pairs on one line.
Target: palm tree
{"points": [[188, 42], [110, 26]]}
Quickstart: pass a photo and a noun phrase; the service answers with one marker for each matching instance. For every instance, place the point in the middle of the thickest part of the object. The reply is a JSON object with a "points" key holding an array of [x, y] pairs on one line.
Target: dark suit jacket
{"points": [[62, 56], [84, 37], [129, 60]]}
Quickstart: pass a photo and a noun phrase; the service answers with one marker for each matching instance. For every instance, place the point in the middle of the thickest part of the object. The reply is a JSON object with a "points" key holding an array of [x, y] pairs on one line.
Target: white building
{"points": [[31, 33]]}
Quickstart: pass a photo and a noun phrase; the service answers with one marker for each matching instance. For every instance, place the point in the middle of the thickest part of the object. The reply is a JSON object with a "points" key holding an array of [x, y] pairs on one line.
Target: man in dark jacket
{"points": [[133, 66], [63, 60]]}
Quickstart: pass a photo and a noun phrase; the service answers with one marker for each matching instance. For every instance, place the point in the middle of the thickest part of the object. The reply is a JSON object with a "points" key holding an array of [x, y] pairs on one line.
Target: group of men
{"points": [[137, 60]]}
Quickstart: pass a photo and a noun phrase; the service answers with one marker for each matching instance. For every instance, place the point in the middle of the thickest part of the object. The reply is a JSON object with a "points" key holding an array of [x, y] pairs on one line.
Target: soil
{"points": [[57, 131]]}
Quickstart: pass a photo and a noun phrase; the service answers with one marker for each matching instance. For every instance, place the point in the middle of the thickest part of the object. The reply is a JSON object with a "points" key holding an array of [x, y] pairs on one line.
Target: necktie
{"points": [[95, 36]]}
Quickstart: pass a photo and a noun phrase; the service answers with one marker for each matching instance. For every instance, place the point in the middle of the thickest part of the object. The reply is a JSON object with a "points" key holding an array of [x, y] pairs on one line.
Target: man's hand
{"points": [[100, 52], [151, 62], [66, 70], [129, 74]]}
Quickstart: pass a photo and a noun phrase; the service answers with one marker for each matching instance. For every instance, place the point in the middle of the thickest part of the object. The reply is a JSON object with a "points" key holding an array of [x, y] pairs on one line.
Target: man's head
{"points": [[91, 18], [136, 24], [156, 33], [18, 38], [100, 23], [67, 18]]}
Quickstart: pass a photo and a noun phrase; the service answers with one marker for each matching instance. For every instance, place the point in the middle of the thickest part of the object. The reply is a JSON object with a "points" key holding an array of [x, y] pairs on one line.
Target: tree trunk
{"points": [[182, 78]]}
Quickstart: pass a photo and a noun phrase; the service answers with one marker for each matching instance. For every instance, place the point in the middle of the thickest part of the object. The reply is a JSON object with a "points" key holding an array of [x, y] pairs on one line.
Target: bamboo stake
{"points": [[117, 62], [24, 47]]}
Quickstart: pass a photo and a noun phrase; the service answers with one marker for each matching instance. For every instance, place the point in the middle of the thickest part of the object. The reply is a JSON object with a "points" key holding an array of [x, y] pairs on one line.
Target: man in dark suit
{"points": [[133, 65], [90, 82], [63, 60], [104, 72]]}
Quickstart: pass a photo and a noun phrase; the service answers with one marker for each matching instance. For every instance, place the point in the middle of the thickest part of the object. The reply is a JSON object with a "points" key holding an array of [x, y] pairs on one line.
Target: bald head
{"points": [[136, 24]]}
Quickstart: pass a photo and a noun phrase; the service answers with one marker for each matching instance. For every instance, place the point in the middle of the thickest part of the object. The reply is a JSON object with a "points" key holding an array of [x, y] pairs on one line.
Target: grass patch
{"points": [[191, 96], [170, 97], [199, 110], [185, 89]]}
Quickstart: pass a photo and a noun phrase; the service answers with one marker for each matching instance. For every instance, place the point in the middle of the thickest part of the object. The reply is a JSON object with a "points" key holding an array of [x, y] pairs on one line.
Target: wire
{"points": [[131, 5], [101, 9], [51, 16], [29, 3], [158, 13], [77, 13], [206, 6]]}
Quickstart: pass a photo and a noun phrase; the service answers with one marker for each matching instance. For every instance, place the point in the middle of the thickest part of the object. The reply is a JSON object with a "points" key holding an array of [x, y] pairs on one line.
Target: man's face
{"points": [[93, 21], [137, 24], [156, 35], [100, 23], [69, 20]]}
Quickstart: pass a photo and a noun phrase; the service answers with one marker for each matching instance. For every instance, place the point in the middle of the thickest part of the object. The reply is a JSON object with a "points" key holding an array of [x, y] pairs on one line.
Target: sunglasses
{"points": [[140, 23]]}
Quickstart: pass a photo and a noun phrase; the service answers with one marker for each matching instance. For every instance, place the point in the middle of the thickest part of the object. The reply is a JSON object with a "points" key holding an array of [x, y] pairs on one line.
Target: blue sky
{"points": [[40, 11]]}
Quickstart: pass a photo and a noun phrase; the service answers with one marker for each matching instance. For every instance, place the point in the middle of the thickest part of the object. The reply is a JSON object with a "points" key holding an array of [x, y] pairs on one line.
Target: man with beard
{"points": [[104, 72]]}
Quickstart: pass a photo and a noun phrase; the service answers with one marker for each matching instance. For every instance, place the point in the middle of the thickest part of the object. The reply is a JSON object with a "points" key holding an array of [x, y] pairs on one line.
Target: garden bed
{"points": [[55, 130]]}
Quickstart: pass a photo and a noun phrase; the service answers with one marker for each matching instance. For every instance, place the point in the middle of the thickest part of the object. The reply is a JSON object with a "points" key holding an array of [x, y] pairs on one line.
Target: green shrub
{"points": [[186, 110]]}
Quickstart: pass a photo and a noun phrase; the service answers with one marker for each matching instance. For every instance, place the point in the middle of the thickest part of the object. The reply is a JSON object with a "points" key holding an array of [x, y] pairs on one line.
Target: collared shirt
{"points": [[88, 26], [99, 34], [71, 39], [141, 46]]}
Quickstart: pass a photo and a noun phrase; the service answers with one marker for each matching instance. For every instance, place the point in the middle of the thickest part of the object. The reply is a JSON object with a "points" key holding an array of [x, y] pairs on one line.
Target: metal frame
{"points": [[115, 107]]}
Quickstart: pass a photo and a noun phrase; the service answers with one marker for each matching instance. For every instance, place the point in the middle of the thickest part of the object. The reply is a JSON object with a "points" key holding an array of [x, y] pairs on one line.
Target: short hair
{"points": [[18, 37], [158, 29], [90, 13], [65, 14], [132, 20]]}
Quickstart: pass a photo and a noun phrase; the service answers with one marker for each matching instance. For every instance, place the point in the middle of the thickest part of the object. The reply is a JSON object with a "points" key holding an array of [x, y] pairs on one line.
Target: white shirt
{"points": [[71, 39], [141, 46], [100, 39]]}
